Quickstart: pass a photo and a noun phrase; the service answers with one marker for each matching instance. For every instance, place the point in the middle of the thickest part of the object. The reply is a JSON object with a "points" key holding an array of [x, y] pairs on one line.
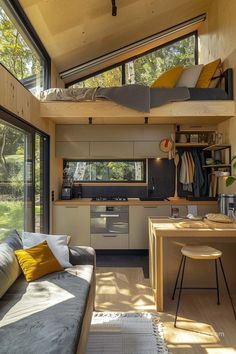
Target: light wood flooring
{"points": [[204, 327]]}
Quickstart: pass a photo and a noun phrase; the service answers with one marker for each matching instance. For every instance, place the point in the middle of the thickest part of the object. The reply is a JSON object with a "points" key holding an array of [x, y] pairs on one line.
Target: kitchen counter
{"points": [[184, 231], [134, 201]]}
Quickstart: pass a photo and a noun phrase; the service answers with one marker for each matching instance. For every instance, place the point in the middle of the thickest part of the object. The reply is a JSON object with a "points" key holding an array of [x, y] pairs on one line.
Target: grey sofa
{"points": [[49, 315]]}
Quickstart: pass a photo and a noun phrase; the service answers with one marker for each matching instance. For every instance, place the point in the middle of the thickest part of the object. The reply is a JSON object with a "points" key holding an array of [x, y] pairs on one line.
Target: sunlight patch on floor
{"points": [[201, 328], [221, 350], [190, 332], [128, 292]]}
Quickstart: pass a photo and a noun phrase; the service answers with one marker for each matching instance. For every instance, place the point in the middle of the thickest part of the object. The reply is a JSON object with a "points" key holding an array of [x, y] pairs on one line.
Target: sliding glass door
{"points": [[24, 176]]}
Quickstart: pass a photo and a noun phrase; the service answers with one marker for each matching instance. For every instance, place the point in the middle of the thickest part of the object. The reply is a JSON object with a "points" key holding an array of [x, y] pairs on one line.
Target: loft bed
{"points": [[154, 106]]}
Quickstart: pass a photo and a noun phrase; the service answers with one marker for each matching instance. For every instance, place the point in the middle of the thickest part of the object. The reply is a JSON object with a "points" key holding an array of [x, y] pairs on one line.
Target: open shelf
{"points": [[184, 145], [216, 147], [219, 165], [194, 131]]}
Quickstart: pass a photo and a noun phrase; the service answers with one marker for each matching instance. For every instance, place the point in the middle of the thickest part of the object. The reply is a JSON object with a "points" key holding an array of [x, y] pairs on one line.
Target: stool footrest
{"points": [[189, 288]]}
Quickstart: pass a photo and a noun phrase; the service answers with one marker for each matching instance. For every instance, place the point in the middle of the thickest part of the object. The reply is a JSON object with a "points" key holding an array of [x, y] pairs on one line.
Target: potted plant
{"points": [[230, 180]]}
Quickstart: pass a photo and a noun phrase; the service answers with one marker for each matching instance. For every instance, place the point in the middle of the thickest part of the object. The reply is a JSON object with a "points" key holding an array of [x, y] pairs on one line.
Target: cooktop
{"points": [[110, 199]]}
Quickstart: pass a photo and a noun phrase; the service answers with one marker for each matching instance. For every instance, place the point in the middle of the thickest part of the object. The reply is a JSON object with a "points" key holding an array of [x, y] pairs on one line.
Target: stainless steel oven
{"points": [[109, 220]]}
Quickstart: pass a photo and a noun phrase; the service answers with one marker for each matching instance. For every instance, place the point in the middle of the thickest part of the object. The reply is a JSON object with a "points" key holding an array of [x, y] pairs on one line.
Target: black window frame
{"points": [[29, 31], [122, 63], [17, 122], [144, 180]]}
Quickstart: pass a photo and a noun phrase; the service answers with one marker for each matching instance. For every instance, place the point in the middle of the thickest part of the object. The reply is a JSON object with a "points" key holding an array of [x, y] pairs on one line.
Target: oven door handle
{"points": [[110, 235], [109, 215]]}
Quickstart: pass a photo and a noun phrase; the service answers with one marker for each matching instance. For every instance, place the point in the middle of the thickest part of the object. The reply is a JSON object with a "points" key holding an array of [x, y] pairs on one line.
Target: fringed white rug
{"points": [[126, 333]]}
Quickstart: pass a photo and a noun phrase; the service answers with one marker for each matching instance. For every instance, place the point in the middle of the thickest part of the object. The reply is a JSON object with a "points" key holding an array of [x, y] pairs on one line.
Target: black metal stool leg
{"points": [[177, 278], [217, 283], [227, 287], [180, 291]]}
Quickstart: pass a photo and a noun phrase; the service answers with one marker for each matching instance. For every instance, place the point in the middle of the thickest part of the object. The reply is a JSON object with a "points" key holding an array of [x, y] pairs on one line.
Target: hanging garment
{"points": [[191, 168], [199, 178], [183, 176], [204, 191], [187, 171]]}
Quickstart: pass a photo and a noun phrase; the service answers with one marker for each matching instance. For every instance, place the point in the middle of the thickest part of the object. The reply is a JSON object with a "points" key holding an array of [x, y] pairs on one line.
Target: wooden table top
{"points": [[170, 228]]}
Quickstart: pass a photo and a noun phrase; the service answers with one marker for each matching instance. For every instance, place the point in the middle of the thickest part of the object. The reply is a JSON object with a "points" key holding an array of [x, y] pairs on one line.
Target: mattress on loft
{"points": [[202, 94], [137, 97]]}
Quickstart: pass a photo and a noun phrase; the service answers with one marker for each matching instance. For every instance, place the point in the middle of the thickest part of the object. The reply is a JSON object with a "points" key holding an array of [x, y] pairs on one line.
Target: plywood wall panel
{"points": [[217, 40]]}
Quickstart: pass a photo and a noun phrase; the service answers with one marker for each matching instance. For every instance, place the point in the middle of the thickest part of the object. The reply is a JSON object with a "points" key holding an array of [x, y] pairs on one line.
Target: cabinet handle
{"points": [[71, 207], [109, 215], [150, 207], [109, 235]]}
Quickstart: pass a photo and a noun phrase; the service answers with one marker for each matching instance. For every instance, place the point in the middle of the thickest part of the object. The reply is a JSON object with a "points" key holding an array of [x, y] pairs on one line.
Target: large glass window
{"points": [[106, 79], [23, 178], [18, 53], [146, 68], [12, 164], [104, 171]]}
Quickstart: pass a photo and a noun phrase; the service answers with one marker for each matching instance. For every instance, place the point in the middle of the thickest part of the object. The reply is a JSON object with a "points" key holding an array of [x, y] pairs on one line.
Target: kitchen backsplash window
{"points": [[109, 171]]}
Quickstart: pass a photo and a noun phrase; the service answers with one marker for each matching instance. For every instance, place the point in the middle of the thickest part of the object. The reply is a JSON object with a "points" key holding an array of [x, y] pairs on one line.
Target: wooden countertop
{"points": [[161, 229], [134, 201], [181, 228]]}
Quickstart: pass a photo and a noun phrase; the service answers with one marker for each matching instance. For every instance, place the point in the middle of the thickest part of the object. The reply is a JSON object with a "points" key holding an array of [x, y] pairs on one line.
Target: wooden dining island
{"points": [[191, 231]]}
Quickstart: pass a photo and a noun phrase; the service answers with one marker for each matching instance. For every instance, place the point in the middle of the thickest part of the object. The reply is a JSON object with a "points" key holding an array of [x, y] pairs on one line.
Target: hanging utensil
{"points": [[166, 145], [176, 162]]}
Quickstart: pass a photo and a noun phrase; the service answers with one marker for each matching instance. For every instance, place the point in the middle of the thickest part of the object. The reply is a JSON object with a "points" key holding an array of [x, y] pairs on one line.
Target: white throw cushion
{"points": [[189, 76], [56, 243]]}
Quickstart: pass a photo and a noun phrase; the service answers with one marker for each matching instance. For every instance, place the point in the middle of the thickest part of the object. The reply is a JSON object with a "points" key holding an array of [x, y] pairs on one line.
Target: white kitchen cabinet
{"points": [[115, 242], [73, 220], [138, 223], [72, 149], [148, 149], [112, 149]]}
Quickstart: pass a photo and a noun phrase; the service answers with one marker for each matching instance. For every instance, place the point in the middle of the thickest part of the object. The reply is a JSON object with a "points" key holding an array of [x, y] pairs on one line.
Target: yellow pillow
{"points": [[207, 73], [37, 261], [169, 78]]}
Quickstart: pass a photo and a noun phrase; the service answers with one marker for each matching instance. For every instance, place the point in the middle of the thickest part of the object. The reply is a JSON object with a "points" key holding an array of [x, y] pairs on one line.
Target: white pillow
{"points": [[189, 76], [56, 243]]}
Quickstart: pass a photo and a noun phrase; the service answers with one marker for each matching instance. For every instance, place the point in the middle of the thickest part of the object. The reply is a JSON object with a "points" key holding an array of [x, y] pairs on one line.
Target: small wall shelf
{"points": [[219, 165], [189, 145], [217, 147]]}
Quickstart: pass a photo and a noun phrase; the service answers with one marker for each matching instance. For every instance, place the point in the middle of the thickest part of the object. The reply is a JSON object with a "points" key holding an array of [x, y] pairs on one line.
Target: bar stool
{"points": [[200, 252]]}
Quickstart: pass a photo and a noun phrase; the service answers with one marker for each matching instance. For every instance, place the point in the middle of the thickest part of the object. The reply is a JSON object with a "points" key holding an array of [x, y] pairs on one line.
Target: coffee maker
{"points": [[66, 190], [66, 193]]}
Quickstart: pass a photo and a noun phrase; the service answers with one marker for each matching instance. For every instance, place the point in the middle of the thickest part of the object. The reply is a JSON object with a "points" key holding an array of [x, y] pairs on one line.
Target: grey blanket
{"points": [[138, 97], [45, 316]]}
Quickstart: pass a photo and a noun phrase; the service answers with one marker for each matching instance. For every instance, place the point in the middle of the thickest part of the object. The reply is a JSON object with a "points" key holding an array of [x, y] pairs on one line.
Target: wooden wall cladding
{"points": [[18, 100]]}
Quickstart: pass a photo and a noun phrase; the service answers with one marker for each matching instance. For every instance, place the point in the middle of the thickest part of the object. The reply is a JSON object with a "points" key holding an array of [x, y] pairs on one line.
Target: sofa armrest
{"points": [[82, 255]]}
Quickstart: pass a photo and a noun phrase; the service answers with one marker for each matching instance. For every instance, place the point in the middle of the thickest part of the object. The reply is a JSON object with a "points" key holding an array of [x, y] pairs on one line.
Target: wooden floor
{"points": [[204, 327]]}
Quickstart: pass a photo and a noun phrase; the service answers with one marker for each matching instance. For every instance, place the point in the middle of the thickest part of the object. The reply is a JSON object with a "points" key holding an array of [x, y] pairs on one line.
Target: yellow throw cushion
{"points": [[169, 78], [37, 261], [207, 73]]}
